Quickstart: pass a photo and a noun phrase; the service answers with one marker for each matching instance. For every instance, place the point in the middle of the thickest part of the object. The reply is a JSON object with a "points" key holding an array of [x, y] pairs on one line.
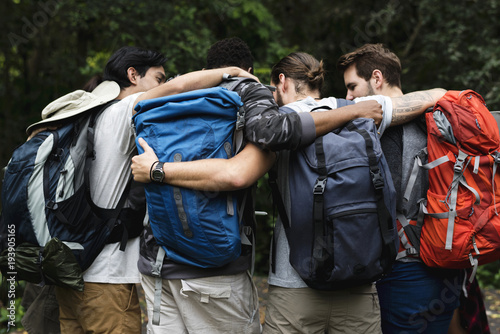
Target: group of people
{"points": [[224, 300]]}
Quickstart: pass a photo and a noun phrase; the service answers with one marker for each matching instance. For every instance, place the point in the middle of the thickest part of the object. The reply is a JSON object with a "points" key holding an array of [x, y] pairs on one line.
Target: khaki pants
{"points": [[305, 310], [100, 308], [212, 305]]}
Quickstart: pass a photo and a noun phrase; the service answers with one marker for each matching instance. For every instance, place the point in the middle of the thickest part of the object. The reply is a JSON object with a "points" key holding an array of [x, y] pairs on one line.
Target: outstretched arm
{"points": [[192, 81], [241, 171], [411, 105], [404, 109], [326, 121]]}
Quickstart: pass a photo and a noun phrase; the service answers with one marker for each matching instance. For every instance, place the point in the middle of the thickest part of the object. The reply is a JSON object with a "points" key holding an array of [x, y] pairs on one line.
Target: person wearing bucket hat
{"points": [[75, 103], [109, 302]]}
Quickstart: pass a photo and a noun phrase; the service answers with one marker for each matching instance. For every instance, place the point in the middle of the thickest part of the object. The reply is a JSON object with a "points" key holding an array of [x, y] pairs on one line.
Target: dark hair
{"points": [[229, 52], [301, 67], [93, 82], [372, 57], [129, 56]]}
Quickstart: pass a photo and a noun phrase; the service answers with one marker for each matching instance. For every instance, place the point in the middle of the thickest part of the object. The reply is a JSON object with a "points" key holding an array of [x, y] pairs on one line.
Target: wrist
{"points": [[233, 71], [156, 173]]}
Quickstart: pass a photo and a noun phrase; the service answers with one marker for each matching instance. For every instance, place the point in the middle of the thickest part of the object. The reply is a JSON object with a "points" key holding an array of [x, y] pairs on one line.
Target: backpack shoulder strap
{"points": [[230, 83], [110, 215]]}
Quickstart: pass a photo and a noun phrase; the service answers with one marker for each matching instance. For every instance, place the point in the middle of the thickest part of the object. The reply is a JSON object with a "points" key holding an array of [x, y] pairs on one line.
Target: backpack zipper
{"points": [[353, 212]]}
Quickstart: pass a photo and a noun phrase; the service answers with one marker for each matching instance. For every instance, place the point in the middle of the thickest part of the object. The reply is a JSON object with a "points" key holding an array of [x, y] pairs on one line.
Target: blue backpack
{"points": [[49, 220], [197, 228], [340, 207]]}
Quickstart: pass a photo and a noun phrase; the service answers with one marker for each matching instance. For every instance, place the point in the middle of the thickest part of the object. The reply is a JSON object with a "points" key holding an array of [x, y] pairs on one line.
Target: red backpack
{"points": [[461, 226]]}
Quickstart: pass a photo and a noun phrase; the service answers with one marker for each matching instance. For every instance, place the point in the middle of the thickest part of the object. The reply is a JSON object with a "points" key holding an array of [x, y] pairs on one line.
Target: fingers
{"points": [[246, 74], [144, 145], [141, 164]]}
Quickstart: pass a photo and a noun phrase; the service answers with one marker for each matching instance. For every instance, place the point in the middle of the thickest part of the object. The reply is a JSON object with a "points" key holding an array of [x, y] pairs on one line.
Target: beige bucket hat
{"points": [[77, 102]]}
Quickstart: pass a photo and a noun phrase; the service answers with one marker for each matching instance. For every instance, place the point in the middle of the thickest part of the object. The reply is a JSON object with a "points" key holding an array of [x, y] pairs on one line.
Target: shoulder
{"points": [[252, 88], [124, 107]]}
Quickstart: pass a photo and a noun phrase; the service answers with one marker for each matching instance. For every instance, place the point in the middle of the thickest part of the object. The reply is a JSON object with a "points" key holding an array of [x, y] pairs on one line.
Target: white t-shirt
{"points": [[386, 103], [110, 172], [309, 103]]}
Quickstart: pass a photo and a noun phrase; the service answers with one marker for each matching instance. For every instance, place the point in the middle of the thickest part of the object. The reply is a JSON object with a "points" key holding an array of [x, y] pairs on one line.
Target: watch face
{"points": [[158, 173]]}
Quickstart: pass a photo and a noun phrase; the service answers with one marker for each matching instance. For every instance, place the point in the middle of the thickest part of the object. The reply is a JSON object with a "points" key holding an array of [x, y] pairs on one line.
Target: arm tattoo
{"points": [[407, 107]]}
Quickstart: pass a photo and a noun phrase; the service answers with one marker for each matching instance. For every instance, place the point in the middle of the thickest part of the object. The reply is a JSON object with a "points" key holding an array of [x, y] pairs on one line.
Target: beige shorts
{"points": [[305, 310], [220, 304], [100, 308]]}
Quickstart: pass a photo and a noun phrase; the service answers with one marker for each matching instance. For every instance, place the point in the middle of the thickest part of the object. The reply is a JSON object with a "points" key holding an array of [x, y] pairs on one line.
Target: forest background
{"points": [[51, 47]]}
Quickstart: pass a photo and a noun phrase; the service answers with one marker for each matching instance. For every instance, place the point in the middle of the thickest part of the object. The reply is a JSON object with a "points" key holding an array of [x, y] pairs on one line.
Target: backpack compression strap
{"points": [[156, 273]]}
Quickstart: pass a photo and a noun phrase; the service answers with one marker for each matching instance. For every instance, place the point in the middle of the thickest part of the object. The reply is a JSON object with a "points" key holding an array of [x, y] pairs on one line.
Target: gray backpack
{"points": [[337, 203]]}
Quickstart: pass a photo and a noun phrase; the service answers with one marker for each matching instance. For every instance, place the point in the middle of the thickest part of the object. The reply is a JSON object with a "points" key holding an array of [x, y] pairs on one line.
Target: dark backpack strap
{"points": [[230, 83], [277, 199], [319, 203], [280, 206], [109, 215], [129, 222], [384, 216], [90, 156]]}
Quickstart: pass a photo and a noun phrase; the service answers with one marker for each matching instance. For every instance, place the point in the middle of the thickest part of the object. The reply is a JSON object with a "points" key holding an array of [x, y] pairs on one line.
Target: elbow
{"points": [[438, 93], [236, 180]]}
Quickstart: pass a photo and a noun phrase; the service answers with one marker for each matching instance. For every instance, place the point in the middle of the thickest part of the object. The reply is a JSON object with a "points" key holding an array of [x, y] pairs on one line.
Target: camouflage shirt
{"points": [[266, 126]]}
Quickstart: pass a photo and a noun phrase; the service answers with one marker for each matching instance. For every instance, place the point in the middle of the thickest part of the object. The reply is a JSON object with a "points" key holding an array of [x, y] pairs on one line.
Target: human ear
{"points": [[283, 82], [132, 75], [377, 78]]}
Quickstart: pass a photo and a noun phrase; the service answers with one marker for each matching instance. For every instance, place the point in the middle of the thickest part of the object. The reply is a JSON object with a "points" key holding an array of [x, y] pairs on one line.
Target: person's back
{"points": [[373, 69], [110, 301], [293, 307], [229, 290]]}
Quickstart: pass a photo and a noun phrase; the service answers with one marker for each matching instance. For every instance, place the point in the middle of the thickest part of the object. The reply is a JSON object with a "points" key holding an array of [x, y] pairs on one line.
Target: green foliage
{"points": [[488, 275], [6, 320], [11, 311]]}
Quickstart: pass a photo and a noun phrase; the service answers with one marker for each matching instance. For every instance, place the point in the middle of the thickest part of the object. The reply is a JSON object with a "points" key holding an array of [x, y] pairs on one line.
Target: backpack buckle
{"points": [[57, 154], [51, 205], [320, 186], [459, 164], [240, 118], [496, 157], [411, 251], [156, 269], [377, 179]]}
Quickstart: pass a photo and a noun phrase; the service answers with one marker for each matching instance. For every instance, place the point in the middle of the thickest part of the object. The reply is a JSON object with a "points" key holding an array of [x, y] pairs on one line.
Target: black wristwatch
{"points": [[157, 175]]}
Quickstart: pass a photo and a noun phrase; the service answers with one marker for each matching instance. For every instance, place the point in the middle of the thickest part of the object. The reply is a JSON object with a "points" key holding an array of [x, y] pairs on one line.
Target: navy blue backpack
{"points": [[48, 219], [193, 227], [340, 209]]}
